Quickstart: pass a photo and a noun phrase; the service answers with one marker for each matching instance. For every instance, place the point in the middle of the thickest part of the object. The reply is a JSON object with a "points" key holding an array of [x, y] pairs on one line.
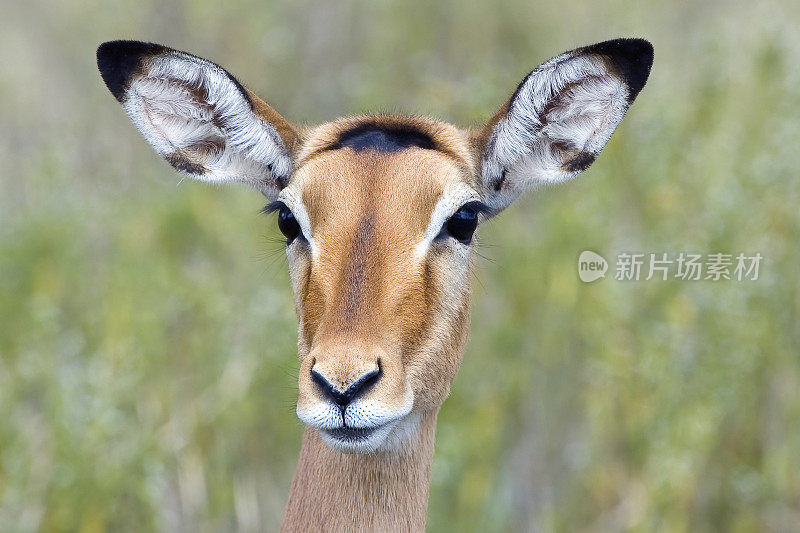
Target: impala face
{"points": [[379, 212], [379, 257]]}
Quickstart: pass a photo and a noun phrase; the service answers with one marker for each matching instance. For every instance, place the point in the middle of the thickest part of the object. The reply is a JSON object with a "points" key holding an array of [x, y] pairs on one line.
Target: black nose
{"points": [[359, 386]]}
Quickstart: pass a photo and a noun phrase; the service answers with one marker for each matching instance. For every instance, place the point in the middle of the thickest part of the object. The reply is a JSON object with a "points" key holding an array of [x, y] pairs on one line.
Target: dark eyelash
{"points": [[271, 207], [480, 208]]}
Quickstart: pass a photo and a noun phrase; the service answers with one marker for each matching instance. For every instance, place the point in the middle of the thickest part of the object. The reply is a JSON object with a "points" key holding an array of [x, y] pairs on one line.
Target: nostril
{"points": [[359, 387], [326, 386], [366, 381]]}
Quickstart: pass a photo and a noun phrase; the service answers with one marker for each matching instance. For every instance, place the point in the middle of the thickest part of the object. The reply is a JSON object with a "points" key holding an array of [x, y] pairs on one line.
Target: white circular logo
{"points": [[591, 266]]}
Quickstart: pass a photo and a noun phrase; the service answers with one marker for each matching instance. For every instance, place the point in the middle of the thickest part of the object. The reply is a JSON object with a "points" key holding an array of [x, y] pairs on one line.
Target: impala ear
{"points": [[198, 117], [560, 117]]}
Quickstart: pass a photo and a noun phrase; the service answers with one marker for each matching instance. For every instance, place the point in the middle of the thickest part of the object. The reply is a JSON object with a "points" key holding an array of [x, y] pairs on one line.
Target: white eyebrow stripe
{"points": [[452, 198], [295, 204]]}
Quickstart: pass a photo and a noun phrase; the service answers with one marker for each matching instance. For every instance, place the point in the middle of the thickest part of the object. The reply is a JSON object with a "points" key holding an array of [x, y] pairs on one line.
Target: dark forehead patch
{"points": [[383, 138]]}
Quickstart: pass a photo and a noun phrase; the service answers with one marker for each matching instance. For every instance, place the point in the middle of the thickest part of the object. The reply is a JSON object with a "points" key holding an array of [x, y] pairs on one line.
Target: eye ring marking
{"points": [[462, 224], [287, 223]]}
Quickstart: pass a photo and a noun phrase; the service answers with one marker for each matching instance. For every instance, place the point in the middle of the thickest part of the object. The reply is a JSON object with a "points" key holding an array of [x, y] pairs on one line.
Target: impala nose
{"points": [[343, 397]]}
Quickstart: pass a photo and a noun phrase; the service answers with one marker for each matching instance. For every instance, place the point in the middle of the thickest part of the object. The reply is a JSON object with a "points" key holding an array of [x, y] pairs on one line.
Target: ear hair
{"points": [[197, 116], [560, 117]]}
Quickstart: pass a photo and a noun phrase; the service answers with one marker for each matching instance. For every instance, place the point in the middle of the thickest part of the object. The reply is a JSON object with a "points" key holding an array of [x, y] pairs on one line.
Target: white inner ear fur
{"points": [[190, 108], [454, 196], [567, 107]]}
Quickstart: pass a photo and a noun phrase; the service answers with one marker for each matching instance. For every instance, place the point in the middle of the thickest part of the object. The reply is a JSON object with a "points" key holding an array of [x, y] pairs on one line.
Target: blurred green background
{"points": [[147, 337]]}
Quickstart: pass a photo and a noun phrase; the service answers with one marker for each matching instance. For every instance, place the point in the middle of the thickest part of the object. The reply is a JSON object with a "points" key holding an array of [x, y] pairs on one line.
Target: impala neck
{"points": [[388, 491]]}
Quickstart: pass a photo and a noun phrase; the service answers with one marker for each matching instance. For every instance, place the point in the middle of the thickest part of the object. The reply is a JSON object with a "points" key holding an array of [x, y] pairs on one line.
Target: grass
{"points": [[147, 345]]}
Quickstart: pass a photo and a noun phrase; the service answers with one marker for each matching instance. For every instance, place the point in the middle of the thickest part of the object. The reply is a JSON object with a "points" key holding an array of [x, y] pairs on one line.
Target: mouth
{"points": [[348, 434], [361, 428], [357, 440]]}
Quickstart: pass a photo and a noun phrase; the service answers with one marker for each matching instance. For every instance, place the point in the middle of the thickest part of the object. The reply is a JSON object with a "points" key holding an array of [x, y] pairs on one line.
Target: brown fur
{"points": [[333, 491], [285, 129], [368, 296]]}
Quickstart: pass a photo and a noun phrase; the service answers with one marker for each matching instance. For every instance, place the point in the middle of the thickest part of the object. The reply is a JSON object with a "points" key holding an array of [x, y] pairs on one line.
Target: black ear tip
{"points": [[632, 58], [119, 60]]}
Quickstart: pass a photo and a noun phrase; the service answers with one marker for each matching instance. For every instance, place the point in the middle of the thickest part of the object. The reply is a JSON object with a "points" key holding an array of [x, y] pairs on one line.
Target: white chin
{"points": [[385, 438]]}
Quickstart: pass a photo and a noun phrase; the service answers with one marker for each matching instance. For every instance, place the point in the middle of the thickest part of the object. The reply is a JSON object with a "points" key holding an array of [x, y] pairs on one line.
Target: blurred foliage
{"points": [[147, 337]]}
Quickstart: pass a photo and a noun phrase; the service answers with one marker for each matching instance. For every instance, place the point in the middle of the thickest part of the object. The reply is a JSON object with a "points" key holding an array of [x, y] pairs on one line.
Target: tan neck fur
{"points": [[387, 491]]}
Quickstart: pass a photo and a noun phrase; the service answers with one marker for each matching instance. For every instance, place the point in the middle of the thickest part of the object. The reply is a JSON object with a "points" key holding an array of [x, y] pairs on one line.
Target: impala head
{"points": [[379, 212]]}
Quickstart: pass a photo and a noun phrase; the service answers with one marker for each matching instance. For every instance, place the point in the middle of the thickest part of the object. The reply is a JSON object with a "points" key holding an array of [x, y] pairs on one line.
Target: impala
{"points": [[379, 214]]}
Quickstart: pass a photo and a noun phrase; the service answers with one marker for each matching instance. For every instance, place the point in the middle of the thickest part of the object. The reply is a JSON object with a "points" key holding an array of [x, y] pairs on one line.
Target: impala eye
{"points": [[288, 224], [462, 224]]}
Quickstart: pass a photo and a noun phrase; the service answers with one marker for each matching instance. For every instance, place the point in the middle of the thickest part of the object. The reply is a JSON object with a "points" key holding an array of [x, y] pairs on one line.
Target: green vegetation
{"points": [[147, 336]]}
